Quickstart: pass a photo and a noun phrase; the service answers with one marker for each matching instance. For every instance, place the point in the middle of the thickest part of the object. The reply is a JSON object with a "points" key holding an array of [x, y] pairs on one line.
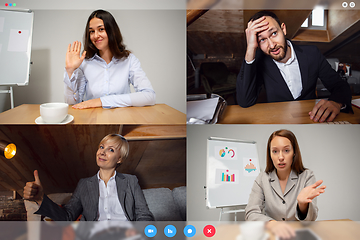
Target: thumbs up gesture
{"points": [[33, 190]]}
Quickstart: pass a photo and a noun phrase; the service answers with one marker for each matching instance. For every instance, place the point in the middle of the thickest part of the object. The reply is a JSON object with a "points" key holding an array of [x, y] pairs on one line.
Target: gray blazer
{"points": [[267, 202], [85, 201]]}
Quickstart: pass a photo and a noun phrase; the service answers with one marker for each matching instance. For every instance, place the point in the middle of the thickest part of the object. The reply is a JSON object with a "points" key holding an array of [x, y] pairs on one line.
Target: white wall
{"points": [[156, 37], [332, 152]]}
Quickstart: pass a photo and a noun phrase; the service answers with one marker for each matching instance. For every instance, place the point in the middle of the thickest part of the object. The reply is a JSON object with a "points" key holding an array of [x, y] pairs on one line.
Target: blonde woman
{"points": [[109, 195]]}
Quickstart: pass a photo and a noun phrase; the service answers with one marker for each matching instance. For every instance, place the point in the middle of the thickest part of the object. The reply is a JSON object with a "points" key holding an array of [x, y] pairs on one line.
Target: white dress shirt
{"points": [[290, 71], [109, 82], [109, 204]]}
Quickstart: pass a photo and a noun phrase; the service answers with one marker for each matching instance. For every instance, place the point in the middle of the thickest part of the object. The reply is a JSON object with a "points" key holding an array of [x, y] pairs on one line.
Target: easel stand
{"points": [[11, 95], [235, 211]]}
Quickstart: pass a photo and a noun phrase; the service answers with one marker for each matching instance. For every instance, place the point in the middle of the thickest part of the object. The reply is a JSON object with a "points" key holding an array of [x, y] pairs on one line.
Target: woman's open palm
{"points": [[73, 58], [310, 192]]}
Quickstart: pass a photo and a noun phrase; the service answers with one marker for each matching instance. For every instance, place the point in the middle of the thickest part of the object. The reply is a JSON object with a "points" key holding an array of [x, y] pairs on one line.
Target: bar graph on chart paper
{"points": [[228, 178], [231, 168], [224, 176]]}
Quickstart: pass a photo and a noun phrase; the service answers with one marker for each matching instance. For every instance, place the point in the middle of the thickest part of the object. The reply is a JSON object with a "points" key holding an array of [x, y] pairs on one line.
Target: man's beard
{"points": [[281, 55]]}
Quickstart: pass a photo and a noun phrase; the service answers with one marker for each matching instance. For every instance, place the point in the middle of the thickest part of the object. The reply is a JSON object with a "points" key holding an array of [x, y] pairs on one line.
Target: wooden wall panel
{"points": [[136, 152], [219, 21], [163, 162], [312, 35], [193, 15], [341, 20], [216, 44], [61, 154], [143, 132], [64, 154]]}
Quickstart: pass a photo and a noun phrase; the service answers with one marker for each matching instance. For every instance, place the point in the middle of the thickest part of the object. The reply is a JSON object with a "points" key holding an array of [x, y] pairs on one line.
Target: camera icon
{"points": [[150, 231]]}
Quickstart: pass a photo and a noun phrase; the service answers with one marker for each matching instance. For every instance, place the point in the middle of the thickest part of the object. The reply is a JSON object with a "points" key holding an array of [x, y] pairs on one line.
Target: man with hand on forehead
{"points": [[289, 72]]}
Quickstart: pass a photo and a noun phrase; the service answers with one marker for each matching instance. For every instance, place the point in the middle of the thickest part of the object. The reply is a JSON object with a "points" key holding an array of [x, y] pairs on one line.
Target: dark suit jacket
{"points": [[313, 65], [85, 201]]}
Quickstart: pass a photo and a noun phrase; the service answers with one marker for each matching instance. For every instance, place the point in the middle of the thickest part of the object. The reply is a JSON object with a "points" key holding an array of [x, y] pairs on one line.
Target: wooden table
{"points": [[326, 230], [157, 114], [280, 113]]}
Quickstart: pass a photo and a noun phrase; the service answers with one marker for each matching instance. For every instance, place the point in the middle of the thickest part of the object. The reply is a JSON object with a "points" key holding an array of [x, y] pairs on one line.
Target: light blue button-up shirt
{"points": [[109, 82]]}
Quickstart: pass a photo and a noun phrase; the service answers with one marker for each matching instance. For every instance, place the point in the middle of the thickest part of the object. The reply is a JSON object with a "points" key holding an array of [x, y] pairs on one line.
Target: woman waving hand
{"points": [[102, 74]]}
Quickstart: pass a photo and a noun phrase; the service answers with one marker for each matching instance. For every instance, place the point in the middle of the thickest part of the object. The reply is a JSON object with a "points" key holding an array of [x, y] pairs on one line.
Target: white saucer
{"points": [[265, 237], [68, 118]]}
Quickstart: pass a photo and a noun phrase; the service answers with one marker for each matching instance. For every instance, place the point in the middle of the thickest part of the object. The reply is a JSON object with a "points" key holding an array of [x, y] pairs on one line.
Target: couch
{"points": [[165, 204]]}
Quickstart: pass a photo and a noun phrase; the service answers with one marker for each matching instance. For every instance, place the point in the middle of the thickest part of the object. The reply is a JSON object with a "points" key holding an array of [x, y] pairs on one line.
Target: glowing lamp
{"points": [[9, 149]]}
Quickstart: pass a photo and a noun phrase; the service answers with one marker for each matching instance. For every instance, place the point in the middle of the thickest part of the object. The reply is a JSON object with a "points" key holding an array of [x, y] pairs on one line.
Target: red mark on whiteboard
{"points": [[19, 32]]}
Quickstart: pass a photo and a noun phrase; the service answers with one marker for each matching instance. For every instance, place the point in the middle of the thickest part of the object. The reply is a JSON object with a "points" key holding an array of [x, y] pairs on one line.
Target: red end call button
{"points": [[209, 231]]}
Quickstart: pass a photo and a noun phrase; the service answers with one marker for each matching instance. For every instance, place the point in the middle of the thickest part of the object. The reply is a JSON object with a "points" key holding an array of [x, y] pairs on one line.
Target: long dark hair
{"points": [[116, 44], [297, 164]]}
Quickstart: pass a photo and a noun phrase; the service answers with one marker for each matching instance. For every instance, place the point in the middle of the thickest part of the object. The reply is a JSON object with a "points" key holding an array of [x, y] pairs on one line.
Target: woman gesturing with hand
{"points": [[308, 194], [73, 58], [33, 191], [101, 76], [286, 191]]}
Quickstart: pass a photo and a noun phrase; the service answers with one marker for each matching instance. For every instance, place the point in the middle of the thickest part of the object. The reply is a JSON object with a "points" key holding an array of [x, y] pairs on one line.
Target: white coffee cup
{"points": [[54, 112], [252, 230]]}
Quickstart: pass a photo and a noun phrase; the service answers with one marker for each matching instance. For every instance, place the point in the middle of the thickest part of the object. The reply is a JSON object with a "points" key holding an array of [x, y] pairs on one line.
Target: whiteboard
{"points": [[15, 46], [232, 167]]}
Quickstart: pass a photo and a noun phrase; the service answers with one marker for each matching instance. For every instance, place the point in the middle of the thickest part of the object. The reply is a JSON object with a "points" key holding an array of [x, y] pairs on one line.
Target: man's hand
{"points": [[92, 103], [34, 190], [325, 110], [254, 27]]}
